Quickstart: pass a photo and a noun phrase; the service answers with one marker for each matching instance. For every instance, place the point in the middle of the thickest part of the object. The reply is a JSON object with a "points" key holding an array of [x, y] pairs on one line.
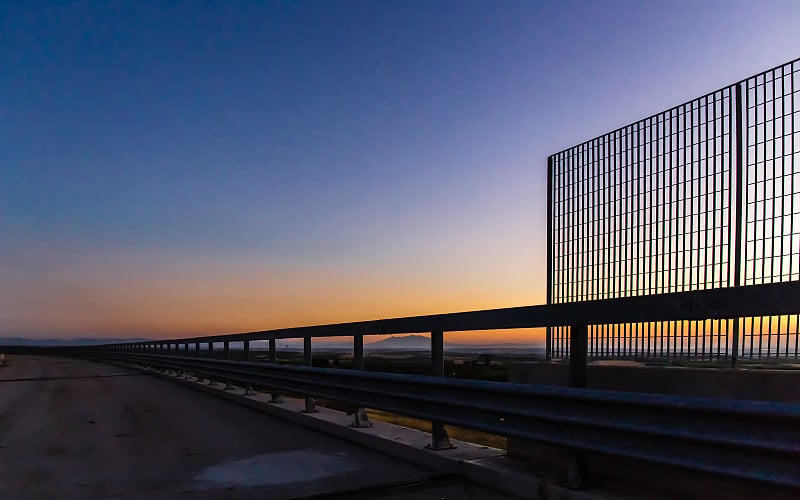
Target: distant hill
{"points": [[411, 342]]}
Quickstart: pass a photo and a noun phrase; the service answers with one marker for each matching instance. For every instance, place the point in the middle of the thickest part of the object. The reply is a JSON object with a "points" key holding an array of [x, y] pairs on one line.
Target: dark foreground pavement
{"points": [[74, 429]]}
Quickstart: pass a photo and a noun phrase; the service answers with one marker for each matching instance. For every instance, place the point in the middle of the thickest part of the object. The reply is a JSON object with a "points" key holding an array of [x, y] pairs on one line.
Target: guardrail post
{"points": [[310, 406], [439, 438], [210, 349], [578, 473], [197, 349], [360, 418], [226, 347], [186, 348], [275, 396], [578, 349], [246, 345]]}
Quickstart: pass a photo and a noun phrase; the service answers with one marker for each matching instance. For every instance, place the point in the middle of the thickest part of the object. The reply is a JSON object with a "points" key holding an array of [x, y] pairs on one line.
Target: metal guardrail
{"points": [[756, 300], [772, 299], [757, 441], [754, 440]]}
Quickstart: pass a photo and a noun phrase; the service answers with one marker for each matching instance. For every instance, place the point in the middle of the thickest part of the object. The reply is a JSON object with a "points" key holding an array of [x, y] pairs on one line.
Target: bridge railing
{"points": [[724, 304], [752, 440]]}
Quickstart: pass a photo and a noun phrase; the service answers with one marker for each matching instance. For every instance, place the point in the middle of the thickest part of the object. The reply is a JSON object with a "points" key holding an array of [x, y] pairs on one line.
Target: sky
{"points": [[183, 168]]}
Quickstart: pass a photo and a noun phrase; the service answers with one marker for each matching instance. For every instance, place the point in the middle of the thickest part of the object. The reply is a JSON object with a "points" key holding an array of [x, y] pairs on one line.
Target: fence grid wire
{"points": [[703, 195]]}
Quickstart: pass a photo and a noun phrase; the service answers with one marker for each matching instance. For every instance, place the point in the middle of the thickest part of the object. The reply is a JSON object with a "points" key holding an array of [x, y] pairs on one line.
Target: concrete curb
{"points": [[488, 467]]}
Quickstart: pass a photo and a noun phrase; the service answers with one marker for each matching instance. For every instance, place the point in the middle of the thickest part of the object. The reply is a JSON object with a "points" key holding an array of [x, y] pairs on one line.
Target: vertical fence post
{"points": [[578, 473], [197, 349], [275, 396], [737, 249], [211, 380], [548, 352], [248, 389], [578, 350], [186, 348], [439, 438], [310, 406], [226, 353], [360, 418]]}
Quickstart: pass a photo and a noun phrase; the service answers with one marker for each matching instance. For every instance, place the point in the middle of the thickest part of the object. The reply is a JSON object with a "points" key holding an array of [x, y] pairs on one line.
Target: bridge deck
{"points": [[73, 429]]}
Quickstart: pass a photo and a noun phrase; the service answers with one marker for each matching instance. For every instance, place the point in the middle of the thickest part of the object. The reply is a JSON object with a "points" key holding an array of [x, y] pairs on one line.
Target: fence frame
{"points": [[623, 244]]}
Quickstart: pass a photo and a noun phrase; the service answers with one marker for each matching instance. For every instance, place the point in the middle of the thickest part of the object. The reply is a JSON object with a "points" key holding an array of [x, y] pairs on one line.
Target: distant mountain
{"points": [[411, 342]]}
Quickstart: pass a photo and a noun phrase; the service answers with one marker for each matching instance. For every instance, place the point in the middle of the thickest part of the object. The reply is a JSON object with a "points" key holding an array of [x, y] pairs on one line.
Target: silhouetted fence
{"points": [[703, 195]]}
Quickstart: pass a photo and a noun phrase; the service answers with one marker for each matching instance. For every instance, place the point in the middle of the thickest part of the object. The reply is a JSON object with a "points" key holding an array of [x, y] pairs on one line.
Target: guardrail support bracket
{"points": [[579, 476], [311, 407], [360, 419], [439, 438]]}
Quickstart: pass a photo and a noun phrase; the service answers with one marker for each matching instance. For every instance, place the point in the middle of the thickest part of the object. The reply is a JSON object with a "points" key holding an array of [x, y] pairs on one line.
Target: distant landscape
{"points": [[390, 343], [82, 341], [416, 343]]}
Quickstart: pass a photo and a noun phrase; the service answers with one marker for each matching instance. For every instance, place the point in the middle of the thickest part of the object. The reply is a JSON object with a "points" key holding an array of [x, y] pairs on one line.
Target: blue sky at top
{"points": [[392, 150]]}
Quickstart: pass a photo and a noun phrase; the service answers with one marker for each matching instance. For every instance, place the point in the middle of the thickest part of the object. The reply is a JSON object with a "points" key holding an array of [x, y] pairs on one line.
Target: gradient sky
{"points": [[175, 168]]}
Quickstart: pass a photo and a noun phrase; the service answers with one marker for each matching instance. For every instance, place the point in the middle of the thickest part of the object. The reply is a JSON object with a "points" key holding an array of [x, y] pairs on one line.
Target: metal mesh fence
{"points": [[703, 195]]}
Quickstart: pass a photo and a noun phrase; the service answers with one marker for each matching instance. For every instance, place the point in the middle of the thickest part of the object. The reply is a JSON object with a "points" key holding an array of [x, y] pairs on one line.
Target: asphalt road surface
{"points": [[74, 429]]}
